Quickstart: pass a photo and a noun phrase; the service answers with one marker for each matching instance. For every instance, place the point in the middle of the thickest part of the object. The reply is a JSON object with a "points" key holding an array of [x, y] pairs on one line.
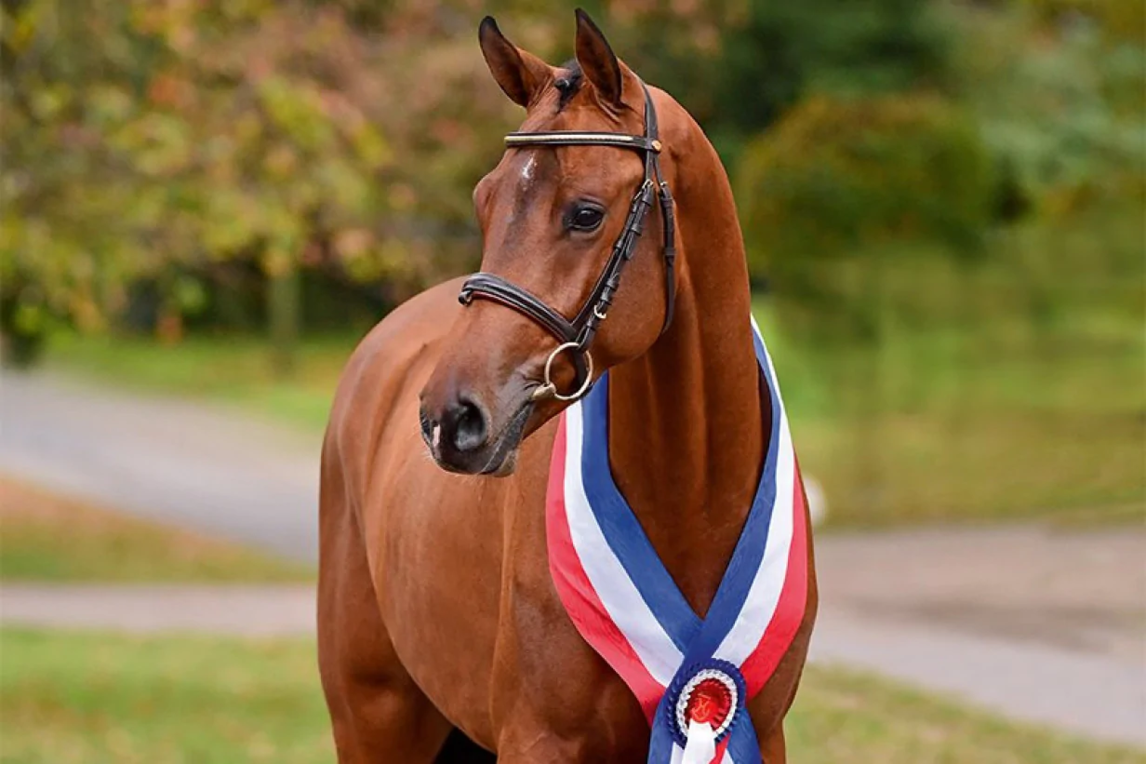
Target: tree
{"points": [[189, 133], [737, 65]]}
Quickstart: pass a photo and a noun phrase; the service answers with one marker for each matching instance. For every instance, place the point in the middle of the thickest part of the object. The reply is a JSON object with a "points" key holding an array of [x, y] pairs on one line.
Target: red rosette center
{"points": [[709, 703]]}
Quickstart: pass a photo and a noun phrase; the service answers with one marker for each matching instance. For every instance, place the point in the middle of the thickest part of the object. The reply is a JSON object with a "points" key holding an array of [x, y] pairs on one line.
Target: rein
{"points": [[576, 335]]}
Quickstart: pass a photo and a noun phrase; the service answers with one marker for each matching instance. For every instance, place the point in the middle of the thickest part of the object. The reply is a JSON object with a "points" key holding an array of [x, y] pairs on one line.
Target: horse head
{"points": [[561, 215]]}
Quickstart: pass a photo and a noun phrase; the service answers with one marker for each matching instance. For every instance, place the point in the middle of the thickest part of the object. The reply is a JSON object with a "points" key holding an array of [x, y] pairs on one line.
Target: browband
{"points": [[570, 138]]}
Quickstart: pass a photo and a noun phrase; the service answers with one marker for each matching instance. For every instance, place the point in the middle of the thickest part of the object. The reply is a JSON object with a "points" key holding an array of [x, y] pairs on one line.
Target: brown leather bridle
{"points": [[576, 335]]}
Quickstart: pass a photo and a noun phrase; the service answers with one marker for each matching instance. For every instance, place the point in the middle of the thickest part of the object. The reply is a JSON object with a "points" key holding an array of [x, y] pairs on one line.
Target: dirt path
{"points": [[1036, 622], [1078, 590], [178, 462], [1039, 624], [251, 611]]}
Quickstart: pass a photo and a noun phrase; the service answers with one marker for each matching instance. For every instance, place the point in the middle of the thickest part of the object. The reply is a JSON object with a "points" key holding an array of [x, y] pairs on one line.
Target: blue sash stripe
{"points": [[743, 744], [660, 745]]}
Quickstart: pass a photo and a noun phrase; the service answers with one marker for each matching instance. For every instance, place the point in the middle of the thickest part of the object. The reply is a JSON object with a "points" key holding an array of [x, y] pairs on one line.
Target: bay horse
{"points": [[442, 636]]}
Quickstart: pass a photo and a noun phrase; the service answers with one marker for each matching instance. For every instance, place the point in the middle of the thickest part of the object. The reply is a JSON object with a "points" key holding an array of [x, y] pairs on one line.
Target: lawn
{"points": [[93, 698], [44, 537], [90, 698], [982, 423], [231, 369]]}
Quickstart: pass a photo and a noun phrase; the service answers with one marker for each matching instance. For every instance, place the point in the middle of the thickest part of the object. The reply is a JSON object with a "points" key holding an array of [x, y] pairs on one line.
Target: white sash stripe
{"points": [[764, 593], [616, 590], [678, 752]]}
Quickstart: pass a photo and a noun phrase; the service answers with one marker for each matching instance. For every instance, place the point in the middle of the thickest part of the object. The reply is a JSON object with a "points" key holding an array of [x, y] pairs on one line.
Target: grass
{"points": [[986, 422], [44, 537], [93, 698], [232, 369], [85, 697]]}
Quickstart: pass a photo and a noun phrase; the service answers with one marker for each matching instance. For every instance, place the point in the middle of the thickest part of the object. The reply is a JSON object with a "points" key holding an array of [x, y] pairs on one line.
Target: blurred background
{"points": [[205, 204]]}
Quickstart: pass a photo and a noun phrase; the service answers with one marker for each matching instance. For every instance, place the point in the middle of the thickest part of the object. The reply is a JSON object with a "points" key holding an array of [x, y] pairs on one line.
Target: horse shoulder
{"points": [[382, 379]]}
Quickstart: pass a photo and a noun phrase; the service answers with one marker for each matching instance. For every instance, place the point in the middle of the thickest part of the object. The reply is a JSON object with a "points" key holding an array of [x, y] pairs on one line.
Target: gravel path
{"points": [[1081, 693], [1038, 624], [204, 468], [250, 611]]}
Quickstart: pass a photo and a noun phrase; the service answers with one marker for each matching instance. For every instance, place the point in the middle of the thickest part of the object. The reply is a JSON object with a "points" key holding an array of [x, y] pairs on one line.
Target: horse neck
{"points": [[686, 439]]}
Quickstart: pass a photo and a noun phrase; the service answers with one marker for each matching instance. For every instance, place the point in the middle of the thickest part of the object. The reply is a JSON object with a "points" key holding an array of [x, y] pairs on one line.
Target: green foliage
{"points": [[190, 133], [158, 142], [1061, 108], [1010, 387], [1122, 20], [841, 189], [782, 51], [739, 65]]}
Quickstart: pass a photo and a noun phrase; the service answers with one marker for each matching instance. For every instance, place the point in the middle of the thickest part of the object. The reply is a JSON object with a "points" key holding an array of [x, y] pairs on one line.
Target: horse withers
{"points": [[475, 595]]}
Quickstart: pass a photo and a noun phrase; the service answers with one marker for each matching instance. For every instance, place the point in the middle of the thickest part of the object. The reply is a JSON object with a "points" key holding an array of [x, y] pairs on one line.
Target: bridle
{"points": [[576, 335]]}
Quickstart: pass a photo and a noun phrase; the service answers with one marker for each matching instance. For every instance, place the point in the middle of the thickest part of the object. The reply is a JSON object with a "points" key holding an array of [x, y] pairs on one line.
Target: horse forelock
{"points": [[568, 82]]}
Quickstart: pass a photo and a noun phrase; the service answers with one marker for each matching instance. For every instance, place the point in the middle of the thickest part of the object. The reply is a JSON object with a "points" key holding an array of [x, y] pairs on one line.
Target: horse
{"points": [[441, 634]]}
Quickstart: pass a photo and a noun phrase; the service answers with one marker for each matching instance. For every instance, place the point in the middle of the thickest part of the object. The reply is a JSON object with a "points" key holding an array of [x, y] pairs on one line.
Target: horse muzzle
{"points": [[462, 438]]}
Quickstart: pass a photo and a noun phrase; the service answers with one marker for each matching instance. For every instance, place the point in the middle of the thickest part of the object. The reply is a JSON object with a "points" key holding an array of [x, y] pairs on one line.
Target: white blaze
{"points": [[527, 170]]}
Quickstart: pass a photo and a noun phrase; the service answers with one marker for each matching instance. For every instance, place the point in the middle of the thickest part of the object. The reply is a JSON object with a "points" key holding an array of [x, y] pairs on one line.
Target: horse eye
{"points": [[586, 218]]}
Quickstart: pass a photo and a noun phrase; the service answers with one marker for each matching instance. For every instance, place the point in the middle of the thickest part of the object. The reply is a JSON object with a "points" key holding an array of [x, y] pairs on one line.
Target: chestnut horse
{"points": [[441, 634]]}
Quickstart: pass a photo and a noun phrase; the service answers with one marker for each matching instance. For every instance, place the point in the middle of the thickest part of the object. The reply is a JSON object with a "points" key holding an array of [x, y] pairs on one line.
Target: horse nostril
{"points": [[429, 427], [469, 430]]}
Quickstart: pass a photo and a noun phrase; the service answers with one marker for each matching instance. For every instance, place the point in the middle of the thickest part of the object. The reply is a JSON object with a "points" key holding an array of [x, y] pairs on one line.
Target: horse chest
{"points": [[550, 686], [555, 699]]}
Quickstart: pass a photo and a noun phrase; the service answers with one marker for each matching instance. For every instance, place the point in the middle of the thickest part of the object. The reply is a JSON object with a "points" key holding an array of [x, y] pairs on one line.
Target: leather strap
{"points": [[571, 138], [493, 287]]}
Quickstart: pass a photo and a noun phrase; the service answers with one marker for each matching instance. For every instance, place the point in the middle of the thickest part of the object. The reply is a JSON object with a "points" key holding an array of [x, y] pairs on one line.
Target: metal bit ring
{"points": [[549, 389]]}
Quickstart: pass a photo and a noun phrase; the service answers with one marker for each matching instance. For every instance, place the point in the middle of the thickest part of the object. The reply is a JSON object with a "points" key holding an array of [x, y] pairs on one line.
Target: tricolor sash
{"points": [[693, 677]]}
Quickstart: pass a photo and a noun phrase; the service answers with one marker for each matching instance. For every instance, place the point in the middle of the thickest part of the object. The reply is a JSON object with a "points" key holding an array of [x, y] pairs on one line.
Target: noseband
{"points": [[576, 335]]}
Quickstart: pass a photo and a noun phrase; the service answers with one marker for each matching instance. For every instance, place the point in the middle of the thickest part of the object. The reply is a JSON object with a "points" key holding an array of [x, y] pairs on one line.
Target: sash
{"points": [[693, 677]]}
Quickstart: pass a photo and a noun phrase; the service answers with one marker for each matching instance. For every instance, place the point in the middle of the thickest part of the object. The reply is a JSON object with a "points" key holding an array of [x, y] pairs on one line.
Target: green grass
{"points": [[233, 369], [93, 698], [89, 697], [987, 422], [47, 538]]}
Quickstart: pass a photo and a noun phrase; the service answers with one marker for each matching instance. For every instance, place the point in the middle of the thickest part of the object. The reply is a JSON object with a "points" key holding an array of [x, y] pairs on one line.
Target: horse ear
{"points": [[597, 61], [519, 73]]}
